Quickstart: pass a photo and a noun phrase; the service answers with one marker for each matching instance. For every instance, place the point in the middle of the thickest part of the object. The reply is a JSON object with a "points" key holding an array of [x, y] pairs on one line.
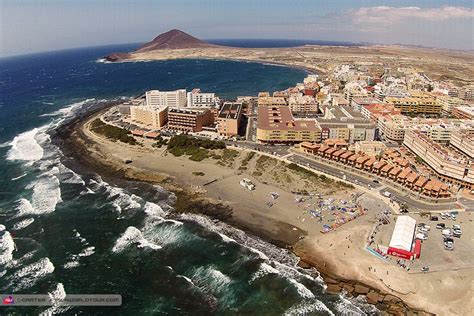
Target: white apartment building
{"points": [[196, 98], [463, 140], [439, 130], [158, 99], [302, 103], [449, 103], [449, 166]]}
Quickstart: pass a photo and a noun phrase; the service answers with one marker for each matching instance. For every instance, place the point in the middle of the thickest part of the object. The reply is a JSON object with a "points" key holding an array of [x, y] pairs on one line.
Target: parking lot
{"points": [[433, 252]]}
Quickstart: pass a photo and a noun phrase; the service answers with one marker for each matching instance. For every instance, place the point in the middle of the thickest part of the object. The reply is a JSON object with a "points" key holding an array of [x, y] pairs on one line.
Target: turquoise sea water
{"points": [[66, 232]]}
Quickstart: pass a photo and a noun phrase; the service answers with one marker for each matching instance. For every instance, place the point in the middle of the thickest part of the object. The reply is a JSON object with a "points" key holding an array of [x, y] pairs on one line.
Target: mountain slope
{"points": [[174, 39]]}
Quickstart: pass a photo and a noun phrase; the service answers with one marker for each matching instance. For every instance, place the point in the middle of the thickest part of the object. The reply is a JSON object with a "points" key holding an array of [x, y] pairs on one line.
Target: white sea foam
{"points": [[19, 177], [46, 195], [7, 246], [121, 200], [79, 237], [308, 307], [56, 296], [25, 147], [303, 291], [71, 264], [23, 223], [89, 251], [263, 270], [69, 109], [154, 210], [211, 278], [30, 274], [133, 235]]}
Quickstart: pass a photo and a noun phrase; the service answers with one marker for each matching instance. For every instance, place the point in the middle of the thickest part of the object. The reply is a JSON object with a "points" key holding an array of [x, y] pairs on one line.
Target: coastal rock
{"points": [[114, 57], [348, 288], [373, 297], [333, 289], [360, 289], [391, 299], [303, 265], [330, 281]]}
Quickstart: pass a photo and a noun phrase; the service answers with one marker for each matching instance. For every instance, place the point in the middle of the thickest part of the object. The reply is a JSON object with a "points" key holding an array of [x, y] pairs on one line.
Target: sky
{"points": [[28, 26]]}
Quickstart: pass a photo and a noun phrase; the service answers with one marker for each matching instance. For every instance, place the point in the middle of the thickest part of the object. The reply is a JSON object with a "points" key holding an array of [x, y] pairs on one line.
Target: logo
{"points": [[8, 300]]}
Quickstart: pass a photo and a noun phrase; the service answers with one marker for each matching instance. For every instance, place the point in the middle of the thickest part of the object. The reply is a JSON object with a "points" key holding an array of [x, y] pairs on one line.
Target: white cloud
{"points": [[383, 14]]}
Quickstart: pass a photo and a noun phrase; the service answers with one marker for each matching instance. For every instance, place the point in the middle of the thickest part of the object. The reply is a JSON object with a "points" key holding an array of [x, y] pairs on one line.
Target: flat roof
{"points": [[230, 110], [280, 118], [402, 237]]}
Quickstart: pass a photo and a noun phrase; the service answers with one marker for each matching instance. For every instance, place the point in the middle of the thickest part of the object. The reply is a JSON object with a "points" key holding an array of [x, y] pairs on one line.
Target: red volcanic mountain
{"points": [[174, 39]]}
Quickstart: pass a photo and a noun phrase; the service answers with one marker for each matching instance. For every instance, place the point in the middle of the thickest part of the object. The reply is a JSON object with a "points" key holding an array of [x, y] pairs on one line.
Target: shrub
{"points": [[113, 132]]}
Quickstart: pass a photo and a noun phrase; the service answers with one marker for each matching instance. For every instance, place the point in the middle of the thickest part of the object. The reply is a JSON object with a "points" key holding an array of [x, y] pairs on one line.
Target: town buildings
{"points": [[155, 117], [448, 165], [416, 103], [156, 98], [345, 123], [189, 119], [196, 98], [463, 112], [228, 119], [302, 104], [276, 124]]}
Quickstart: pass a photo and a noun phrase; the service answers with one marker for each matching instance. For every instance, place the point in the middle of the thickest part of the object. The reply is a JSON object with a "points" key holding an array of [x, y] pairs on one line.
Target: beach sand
{"points": [[339, 255]]}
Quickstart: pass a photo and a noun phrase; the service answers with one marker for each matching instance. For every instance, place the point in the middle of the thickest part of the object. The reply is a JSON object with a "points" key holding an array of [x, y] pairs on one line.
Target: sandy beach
{"points": [[340, 255]]}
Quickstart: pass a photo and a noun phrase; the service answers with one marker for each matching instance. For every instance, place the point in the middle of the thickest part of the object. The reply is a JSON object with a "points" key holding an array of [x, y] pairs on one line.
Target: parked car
{"points": [[421, 236], [375, 181], [434, 218], [448, 239], [456, 226], [425, 269], [448, 245], [441, 226], [447, 233], [423, 230], [457, 233], [453, 217], [421, 224]]}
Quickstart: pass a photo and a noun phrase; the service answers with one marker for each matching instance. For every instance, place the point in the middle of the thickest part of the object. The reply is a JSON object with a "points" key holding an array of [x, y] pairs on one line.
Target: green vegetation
{"points": [[160, 141], [246, 160], [198, 173], [315, 177], [197, 149], [113, 132]]}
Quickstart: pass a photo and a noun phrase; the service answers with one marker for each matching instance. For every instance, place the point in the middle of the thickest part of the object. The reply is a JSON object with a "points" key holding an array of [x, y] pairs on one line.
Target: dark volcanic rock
{"points": [[117, 57], [174, 39]]}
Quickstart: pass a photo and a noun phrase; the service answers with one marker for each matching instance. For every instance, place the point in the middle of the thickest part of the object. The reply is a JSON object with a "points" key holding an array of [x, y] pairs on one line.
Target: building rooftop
{"points": [[230, 110], [280, 118]]}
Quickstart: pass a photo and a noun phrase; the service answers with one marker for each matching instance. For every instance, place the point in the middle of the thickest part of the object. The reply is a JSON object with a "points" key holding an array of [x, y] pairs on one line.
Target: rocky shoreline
{"points": [[78, 156]]}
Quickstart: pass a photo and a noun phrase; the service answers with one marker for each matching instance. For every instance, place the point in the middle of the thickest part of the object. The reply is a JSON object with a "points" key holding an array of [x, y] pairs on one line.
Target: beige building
{"points": [[449, 103], [370, 148], [449, 166], [416, 103], [228, 119], [463, 140], [189, 119], [151, 116], [302, 103], [269, 101], [464, 112], [276, 124]]}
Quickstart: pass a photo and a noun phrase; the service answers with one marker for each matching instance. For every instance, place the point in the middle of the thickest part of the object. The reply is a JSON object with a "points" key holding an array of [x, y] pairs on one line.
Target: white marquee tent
{"points": [[403, 233]]}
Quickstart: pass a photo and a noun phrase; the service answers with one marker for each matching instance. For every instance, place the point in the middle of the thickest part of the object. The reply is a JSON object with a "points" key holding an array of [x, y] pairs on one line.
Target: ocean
{"points": [[66, 232]]}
